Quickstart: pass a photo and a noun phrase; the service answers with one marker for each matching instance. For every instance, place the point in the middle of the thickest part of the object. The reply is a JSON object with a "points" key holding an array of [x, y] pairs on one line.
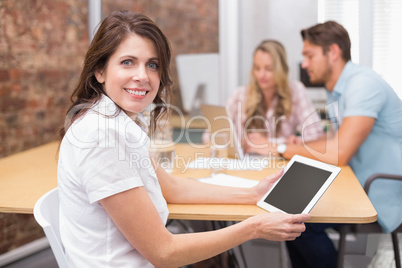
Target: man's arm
{"points": [[339, 149]]}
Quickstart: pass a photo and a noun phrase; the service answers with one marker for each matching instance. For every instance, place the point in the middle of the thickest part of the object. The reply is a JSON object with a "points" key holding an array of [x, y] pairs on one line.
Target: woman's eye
{"points": [[126, 62], [153, 65]]}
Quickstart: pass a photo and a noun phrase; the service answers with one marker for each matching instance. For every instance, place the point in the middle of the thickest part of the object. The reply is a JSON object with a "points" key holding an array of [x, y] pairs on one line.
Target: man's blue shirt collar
{"points": [[339, 88]]}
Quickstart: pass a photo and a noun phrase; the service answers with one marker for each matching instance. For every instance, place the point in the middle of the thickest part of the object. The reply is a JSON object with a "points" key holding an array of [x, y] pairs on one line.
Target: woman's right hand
{"points": [[278, 226]]}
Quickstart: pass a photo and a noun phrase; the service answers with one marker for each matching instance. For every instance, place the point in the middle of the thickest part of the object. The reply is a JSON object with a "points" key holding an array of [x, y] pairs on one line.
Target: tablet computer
{"points": [[302, 184]]}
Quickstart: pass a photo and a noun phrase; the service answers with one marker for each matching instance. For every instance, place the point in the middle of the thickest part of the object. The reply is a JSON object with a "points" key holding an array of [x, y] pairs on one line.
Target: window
{"points": [[387, 41], [345, 12], [374, 29]]}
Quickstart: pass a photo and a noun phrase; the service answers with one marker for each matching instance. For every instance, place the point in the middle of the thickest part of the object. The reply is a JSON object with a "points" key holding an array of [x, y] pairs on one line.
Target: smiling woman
{"points": [[131, 79], [120, 42], [113, 211], [272, 109]]}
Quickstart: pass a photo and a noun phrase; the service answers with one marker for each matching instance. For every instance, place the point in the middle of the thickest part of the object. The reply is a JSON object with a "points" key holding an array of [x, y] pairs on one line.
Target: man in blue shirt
{"points": [[367, 134]]}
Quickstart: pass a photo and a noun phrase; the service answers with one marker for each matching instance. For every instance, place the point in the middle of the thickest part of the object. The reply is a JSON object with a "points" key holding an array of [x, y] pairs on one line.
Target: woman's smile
{"points": [[137, 93]]}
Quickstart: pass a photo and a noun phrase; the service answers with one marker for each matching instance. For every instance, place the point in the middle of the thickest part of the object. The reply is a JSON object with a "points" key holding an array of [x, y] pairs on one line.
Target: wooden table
{"points": [[26, 176]]}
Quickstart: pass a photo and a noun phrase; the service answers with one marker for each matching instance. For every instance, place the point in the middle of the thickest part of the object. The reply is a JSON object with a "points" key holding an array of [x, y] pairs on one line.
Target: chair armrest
{"points": [[380, 176]]}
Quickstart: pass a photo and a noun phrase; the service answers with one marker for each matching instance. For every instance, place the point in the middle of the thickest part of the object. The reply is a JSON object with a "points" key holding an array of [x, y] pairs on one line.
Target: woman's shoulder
{"points": [[297, 90], [239, 95], [82, 133], [240, 90], [296, 86], [94, 128], [89, 124]]}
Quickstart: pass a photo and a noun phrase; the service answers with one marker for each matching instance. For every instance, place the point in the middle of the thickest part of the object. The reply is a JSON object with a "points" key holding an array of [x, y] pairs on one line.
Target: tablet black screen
{"points": [[297, 187]]}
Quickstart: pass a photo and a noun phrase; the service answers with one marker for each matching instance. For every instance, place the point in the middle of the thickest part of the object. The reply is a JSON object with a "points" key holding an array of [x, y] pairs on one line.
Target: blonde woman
{"points": [[272, 109]]}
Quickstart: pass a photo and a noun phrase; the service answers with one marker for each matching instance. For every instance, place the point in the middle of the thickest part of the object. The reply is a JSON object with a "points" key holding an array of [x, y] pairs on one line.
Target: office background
{"points": [[42, 45]]}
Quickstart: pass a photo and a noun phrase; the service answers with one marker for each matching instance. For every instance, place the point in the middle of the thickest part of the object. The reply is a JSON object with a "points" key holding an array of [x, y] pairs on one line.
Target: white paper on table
{"points": [[228, 180], [247, 163]]}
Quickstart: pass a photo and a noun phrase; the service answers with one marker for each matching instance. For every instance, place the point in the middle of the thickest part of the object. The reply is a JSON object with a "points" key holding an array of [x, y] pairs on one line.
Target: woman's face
{"points": [[131, 77], [263, 70]]}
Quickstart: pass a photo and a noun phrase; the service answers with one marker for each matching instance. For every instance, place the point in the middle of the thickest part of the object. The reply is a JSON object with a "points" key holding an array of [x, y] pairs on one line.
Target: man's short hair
{"points": [[328, 33]]}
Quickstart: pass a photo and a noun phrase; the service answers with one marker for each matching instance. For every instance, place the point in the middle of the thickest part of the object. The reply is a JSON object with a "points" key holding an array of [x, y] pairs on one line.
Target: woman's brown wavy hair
{"points": [[113, 30]]}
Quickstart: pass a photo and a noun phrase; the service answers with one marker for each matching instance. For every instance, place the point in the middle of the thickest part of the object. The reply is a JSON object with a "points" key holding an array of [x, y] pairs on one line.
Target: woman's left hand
{"points": [[265, 184]]}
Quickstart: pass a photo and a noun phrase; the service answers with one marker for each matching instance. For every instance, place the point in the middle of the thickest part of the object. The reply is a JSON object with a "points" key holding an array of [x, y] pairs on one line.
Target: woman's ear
{"points": [[99, 76]]}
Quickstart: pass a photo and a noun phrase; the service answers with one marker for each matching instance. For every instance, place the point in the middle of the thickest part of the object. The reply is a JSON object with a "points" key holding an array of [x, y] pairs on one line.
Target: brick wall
{"points": [[42, 45]]}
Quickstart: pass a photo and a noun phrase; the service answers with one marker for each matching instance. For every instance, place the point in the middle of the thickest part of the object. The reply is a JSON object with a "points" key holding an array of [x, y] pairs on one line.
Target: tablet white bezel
{"points": [[310, 162]]}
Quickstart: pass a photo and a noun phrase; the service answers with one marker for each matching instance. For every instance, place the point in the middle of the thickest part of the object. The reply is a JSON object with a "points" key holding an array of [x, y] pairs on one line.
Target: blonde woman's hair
{"points": [[256, 106]]}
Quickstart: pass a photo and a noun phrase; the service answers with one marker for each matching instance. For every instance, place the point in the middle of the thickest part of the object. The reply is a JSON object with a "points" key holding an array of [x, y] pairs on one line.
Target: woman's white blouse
{"points": [[103, 153]]}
